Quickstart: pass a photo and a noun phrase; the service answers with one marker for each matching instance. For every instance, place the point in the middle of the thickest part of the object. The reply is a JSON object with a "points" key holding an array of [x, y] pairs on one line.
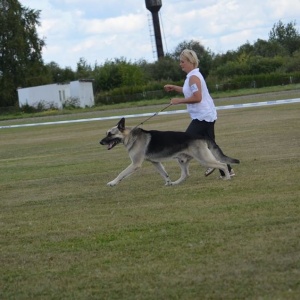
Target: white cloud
{"points": [[98, 30], [122, 24]]}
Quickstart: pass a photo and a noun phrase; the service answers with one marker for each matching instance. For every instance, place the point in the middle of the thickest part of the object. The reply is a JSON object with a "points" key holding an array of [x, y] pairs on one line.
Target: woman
{"points": [[199, 103]]}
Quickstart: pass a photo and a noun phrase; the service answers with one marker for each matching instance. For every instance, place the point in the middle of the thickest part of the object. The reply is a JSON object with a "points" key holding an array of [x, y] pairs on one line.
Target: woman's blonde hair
{"points": [[191, 56]]}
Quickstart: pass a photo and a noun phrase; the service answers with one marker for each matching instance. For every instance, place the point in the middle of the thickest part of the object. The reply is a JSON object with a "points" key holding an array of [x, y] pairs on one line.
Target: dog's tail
{"points": [[219, 155]]}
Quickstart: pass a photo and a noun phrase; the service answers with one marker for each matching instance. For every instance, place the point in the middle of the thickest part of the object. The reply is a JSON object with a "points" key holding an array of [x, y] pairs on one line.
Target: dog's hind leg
{"points": [[161, 170], [217, 165], [205, 157], [184, 166]]}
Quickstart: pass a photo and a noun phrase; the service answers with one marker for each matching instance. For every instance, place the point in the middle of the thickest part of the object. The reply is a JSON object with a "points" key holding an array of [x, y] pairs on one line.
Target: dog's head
{"points": [[115, 135]]}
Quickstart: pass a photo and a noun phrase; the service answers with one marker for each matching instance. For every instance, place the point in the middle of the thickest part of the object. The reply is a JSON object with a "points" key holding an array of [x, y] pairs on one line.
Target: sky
{"points": [[98, 30]]}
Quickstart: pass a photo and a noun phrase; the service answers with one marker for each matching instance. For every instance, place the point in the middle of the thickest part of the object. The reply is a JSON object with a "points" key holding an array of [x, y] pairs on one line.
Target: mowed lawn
{"points": [[66, 235]]}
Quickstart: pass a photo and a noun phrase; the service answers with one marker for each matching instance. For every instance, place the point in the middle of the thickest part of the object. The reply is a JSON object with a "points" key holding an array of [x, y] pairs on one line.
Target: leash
{"points": [[155, 114]]}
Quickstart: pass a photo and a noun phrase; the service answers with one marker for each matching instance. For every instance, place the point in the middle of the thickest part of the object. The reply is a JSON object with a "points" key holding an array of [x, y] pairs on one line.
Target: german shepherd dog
{"points": [[157, 146]]}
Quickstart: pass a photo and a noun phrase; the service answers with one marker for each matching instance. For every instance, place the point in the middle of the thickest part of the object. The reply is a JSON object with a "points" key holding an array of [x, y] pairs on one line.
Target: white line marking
{"points": [[173, 112]]}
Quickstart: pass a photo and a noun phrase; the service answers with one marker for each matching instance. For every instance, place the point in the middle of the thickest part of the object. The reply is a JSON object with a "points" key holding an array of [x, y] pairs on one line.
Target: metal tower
{"points": [[154, 6]]}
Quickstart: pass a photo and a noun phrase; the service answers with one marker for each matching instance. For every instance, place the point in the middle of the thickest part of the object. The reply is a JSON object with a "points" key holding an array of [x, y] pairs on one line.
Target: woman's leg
{"points": [[204, 129], [228, 166]]}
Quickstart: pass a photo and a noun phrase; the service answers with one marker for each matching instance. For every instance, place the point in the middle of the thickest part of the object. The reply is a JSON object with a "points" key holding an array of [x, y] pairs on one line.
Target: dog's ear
{"points": [[121, 124]]}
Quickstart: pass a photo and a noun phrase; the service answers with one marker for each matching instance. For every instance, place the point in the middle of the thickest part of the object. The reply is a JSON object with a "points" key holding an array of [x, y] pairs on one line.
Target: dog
{"points": [[157, 146]]}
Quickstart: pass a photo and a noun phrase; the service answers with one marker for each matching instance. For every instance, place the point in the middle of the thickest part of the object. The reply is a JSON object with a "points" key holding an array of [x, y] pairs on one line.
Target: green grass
{"points": [[66, 235]]}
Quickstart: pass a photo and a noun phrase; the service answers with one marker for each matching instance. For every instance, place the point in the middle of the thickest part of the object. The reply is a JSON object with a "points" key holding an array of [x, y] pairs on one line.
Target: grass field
{"points": [[66, 235]]}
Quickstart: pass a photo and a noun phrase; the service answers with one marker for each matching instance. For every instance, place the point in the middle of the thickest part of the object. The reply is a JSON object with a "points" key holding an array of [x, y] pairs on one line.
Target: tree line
{"points": [[265, 62]]}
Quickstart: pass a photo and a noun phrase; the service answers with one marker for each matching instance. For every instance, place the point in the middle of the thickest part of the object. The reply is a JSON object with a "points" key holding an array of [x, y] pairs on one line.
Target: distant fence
{"points": [[238, 82], [257, 81]]}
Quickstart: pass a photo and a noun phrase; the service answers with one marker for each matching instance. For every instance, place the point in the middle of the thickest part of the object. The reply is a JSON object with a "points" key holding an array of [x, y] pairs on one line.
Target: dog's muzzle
{"points": [[110, 142]]}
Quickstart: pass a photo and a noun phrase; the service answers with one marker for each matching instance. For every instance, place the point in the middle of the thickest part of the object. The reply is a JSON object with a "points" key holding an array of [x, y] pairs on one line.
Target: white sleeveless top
{"points": [[204, 110]]}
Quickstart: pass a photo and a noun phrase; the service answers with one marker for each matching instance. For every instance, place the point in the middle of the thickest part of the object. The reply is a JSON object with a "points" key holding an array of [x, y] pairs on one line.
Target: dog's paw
{"points": [[225, 178], [168, 182], [112, 183], [174, 183]]}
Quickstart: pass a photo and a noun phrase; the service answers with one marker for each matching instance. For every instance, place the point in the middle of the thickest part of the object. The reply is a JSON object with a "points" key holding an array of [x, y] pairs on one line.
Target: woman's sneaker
{"points": [[231, 173], [208, 171]]}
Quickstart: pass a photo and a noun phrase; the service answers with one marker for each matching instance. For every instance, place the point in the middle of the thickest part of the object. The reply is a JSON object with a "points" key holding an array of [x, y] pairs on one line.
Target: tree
{"points": [[268, 48], [107, 77], [166, 68], [131, 73], [286, 35], [293, 63], [231, 69], [20, 50], [59, 75], [84, 70], [116, 74], [205, 56], [264, 65], [222, 59]]}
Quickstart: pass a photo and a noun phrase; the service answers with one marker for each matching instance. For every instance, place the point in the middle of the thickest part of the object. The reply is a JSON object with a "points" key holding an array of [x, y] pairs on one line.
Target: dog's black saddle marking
{"points": [[168, 142]]}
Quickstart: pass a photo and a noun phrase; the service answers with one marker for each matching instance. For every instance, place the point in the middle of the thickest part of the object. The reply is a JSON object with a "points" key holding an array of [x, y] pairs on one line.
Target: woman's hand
{"points": [[175, 101], [169, 87]]}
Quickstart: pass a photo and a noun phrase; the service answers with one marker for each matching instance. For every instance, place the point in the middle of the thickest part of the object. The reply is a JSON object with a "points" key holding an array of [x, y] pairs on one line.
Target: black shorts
{"points": [[202, 128]]}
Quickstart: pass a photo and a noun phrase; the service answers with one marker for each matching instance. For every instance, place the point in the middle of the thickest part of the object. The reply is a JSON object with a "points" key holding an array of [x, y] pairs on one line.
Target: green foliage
{"points": [[292, 64], [41, 106], [253, 81], [153, 90], [166, 68], [58, 74], [270, 48], [286, 35], [205, 56], [131, 74], [231, 69], [84, 69], [21, 50], [249, 66], [71, 103], [116, 74], [220, 59], [264, 65], [26, 108]]}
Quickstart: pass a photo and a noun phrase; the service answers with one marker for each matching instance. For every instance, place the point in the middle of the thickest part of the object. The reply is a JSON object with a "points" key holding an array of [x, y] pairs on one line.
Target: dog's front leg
{"points": [[161, 170], [127, 172]]}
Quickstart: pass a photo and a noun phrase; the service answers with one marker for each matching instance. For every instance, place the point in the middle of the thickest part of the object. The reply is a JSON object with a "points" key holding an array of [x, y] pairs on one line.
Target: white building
{"points": [[77, 93], [83, 91]]}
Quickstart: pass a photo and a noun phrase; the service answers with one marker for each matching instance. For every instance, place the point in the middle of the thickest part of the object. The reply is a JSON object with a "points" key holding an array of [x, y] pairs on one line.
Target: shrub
{"points": [[71, 103], [252, 81]]}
